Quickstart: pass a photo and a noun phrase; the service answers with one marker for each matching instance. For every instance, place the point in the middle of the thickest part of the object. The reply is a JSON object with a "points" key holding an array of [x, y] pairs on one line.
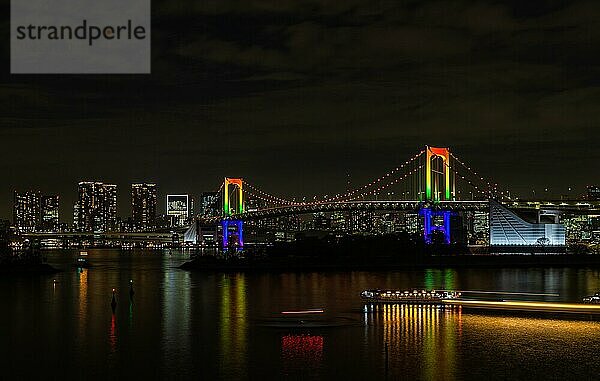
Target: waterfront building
{"points": [[27, 211], [412, 223], [143, 206], [210, 204], [360, 221], [338, 221], [479, 229], [508, 229], [96, 207], [178, 207], [321, 221], [50, 213], [4, 234]]}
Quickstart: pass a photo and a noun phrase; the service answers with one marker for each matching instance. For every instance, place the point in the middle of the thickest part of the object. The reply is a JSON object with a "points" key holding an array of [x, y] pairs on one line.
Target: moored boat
{"points": [[592, 299], [82, 260], [409, 296]]}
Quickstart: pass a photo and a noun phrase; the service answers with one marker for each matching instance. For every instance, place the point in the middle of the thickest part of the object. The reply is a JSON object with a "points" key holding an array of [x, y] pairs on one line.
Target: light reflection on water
{"points": [[427, 333], [205, 325]]}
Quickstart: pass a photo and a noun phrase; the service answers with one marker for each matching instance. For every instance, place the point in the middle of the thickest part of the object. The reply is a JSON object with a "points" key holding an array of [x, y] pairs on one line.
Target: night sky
{"points": [[295, 95]]}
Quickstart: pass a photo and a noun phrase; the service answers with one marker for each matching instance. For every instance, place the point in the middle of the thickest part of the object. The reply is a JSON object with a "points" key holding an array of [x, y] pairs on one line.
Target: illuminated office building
{"points": [[413, 223], [359, 221], [96, 207], [49, 213], [143, 206], [27, 211], [321, 222], [210, 204], [178, 209]]}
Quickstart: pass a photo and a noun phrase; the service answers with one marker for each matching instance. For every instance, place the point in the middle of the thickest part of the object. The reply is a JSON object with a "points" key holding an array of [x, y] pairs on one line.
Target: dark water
{"points": [[217, 326]]}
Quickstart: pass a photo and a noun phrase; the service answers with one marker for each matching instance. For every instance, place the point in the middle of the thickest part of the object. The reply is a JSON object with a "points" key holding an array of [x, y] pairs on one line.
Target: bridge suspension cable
{"points": [[266, 196], [362, 191], [470, 183], [382, 187], [490, 185]]}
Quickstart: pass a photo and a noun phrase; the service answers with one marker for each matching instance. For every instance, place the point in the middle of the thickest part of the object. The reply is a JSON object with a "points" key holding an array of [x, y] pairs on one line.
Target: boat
{"points": [[82, 260], [409, 296], [592, 299]]}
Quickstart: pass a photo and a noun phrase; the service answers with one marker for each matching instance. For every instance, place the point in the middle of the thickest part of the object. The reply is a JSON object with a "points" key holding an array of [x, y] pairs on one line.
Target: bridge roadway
{"points": [[572, 206], [112, 236], [566, 206], [342, 206]]}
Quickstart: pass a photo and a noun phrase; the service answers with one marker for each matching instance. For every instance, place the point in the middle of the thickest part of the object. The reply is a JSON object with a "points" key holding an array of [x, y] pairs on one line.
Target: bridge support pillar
{"points": [[233, 229], [429, 226]]}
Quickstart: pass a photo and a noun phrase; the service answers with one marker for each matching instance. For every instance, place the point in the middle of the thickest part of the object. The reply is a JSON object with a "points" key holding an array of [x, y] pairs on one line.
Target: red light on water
{"points": [[302, 348]]}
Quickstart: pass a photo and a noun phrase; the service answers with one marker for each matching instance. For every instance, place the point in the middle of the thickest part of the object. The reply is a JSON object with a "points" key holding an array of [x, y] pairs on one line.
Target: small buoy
{"points": [[113, 303], [131, 292]]}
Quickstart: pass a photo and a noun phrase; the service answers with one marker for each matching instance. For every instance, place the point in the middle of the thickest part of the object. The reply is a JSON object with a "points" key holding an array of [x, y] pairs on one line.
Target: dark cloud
{"points": [[294, 95]]}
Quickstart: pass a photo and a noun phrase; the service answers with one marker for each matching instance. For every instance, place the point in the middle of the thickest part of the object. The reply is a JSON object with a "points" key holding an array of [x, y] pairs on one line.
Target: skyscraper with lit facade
{"points": [[27, 211], [96, 208], [143, 206], [50, 213], [210, 204], [178, 209]]}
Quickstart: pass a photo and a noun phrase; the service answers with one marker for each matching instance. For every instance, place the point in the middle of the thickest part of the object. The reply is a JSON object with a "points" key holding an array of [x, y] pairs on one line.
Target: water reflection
{"points": [[440, 279], [176, 320], [203, 326], [233, 324], [410, 332], [301, 354], [83, 301], [112, 336]]}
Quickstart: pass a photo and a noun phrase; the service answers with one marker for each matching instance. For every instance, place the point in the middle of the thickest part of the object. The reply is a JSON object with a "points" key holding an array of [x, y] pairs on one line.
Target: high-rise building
{"points": [[143, 206], [4, 235], [413, 223], [321, 222], [27, 211], [593, 192], [359, 221], [49, 213], [210, 204], [178, 209], [96, 208]]}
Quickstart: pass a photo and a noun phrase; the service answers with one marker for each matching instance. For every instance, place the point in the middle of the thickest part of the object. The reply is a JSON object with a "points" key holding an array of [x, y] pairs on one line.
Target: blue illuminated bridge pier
{"points": [[434, 184]]}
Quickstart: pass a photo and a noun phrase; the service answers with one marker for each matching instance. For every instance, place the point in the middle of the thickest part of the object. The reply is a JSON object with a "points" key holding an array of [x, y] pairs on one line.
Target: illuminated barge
{"points": [[410, 296], [592, 299]]}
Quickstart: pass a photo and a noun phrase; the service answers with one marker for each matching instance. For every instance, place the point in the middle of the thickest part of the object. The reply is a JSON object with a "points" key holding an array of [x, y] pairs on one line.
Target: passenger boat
{"points": [[592, 299], [409, 296], [82, 260]]}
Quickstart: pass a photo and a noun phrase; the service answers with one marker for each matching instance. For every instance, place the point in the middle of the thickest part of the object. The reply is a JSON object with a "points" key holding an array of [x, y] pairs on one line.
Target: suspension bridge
{"points": [[434, 183]]}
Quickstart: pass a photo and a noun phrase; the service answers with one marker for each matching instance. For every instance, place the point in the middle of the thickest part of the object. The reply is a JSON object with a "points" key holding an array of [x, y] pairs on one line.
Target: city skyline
{"points": [[511, 87], [300, 189], [124, 198]]}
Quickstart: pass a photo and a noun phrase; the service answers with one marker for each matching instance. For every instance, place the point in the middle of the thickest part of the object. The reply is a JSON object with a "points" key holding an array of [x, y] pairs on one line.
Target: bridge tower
{"points": [[235, 183], [433, 172], [233, 193], [436, 173]]}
